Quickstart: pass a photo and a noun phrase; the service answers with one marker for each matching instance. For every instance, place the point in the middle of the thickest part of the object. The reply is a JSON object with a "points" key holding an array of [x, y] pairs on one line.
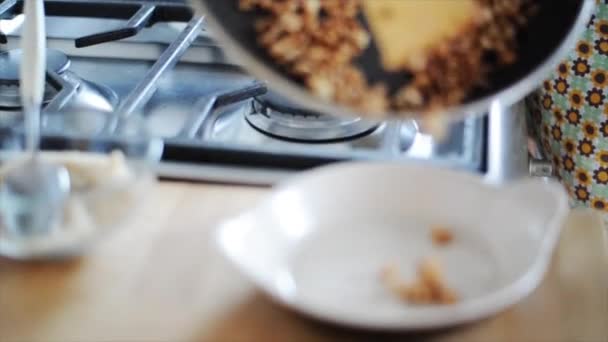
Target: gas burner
{"points": [[10, 98], [56, 62], [64, 90], [175, 81], [277, 118]]}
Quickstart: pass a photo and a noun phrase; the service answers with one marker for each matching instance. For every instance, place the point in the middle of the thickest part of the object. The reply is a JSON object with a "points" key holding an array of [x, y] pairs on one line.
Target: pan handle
{"points": [[539, 164], [512, 149], [507, 153]]}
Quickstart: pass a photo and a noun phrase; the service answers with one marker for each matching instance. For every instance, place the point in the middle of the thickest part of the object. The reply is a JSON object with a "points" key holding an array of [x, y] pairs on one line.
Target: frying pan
{"points": [[549, 37]]}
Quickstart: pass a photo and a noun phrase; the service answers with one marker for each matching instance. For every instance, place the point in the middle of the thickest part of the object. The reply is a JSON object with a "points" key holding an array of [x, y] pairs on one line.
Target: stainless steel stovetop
{"points": [[177, 79]]}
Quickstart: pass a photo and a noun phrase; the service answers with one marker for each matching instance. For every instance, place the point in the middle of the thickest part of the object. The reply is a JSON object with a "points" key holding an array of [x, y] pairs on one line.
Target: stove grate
{"points": [[138, 14]]}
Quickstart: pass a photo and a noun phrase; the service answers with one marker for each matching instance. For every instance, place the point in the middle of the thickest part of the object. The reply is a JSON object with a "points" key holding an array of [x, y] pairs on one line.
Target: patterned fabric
{"points": [[570, 114]]}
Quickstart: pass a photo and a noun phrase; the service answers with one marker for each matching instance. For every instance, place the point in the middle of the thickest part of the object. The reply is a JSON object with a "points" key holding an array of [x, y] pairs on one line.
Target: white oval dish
{"points": [[319, 241]]}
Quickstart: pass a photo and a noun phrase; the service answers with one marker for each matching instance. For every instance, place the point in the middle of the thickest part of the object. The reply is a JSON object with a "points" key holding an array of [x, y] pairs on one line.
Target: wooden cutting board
{"points": [[160, 279]]}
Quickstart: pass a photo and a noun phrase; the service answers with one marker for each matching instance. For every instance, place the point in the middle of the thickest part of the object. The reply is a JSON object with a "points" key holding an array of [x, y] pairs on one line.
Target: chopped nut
{"points": [[431, 274], [317, 41], [410, 97], [441, 236], [428, 288], [321, 86], [447, 296], [418, 293], [435, 125]]}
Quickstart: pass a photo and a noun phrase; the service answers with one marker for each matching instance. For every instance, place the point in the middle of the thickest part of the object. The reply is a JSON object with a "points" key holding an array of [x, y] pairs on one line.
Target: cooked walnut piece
{"points": [[316, 41], [428, 288], [456, 68], [441, 236]]}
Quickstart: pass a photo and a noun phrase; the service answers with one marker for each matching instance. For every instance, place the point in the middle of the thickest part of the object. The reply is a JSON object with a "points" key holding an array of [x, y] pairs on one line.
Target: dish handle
{"points": [[546, 200]]}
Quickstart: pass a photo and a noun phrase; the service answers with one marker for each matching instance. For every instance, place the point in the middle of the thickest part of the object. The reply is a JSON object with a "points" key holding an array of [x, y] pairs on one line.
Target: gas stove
{"points": [[113, 61]]}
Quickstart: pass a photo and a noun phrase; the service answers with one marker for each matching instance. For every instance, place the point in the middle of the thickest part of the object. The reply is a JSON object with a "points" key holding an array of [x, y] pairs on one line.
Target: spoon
{"points": [[34, 192]]}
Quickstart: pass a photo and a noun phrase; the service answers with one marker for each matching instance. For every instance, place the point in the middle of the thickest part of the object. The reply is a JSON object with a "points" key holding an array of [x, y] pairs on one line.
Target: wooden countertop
{"points": [[160, 280]]}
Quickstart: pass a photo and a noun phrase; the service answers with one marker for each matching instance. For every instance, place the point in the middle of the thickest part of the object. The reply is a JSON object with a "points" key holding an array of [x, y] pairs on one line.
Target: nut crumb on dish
{"points": [[428, 288], [441, 236]]}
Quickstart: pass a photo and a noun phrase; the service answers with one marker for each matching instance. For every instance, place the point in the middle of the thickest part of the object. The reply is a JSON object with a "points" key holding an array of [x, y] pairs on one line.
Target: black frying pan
{"points": [[549, 36]]}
